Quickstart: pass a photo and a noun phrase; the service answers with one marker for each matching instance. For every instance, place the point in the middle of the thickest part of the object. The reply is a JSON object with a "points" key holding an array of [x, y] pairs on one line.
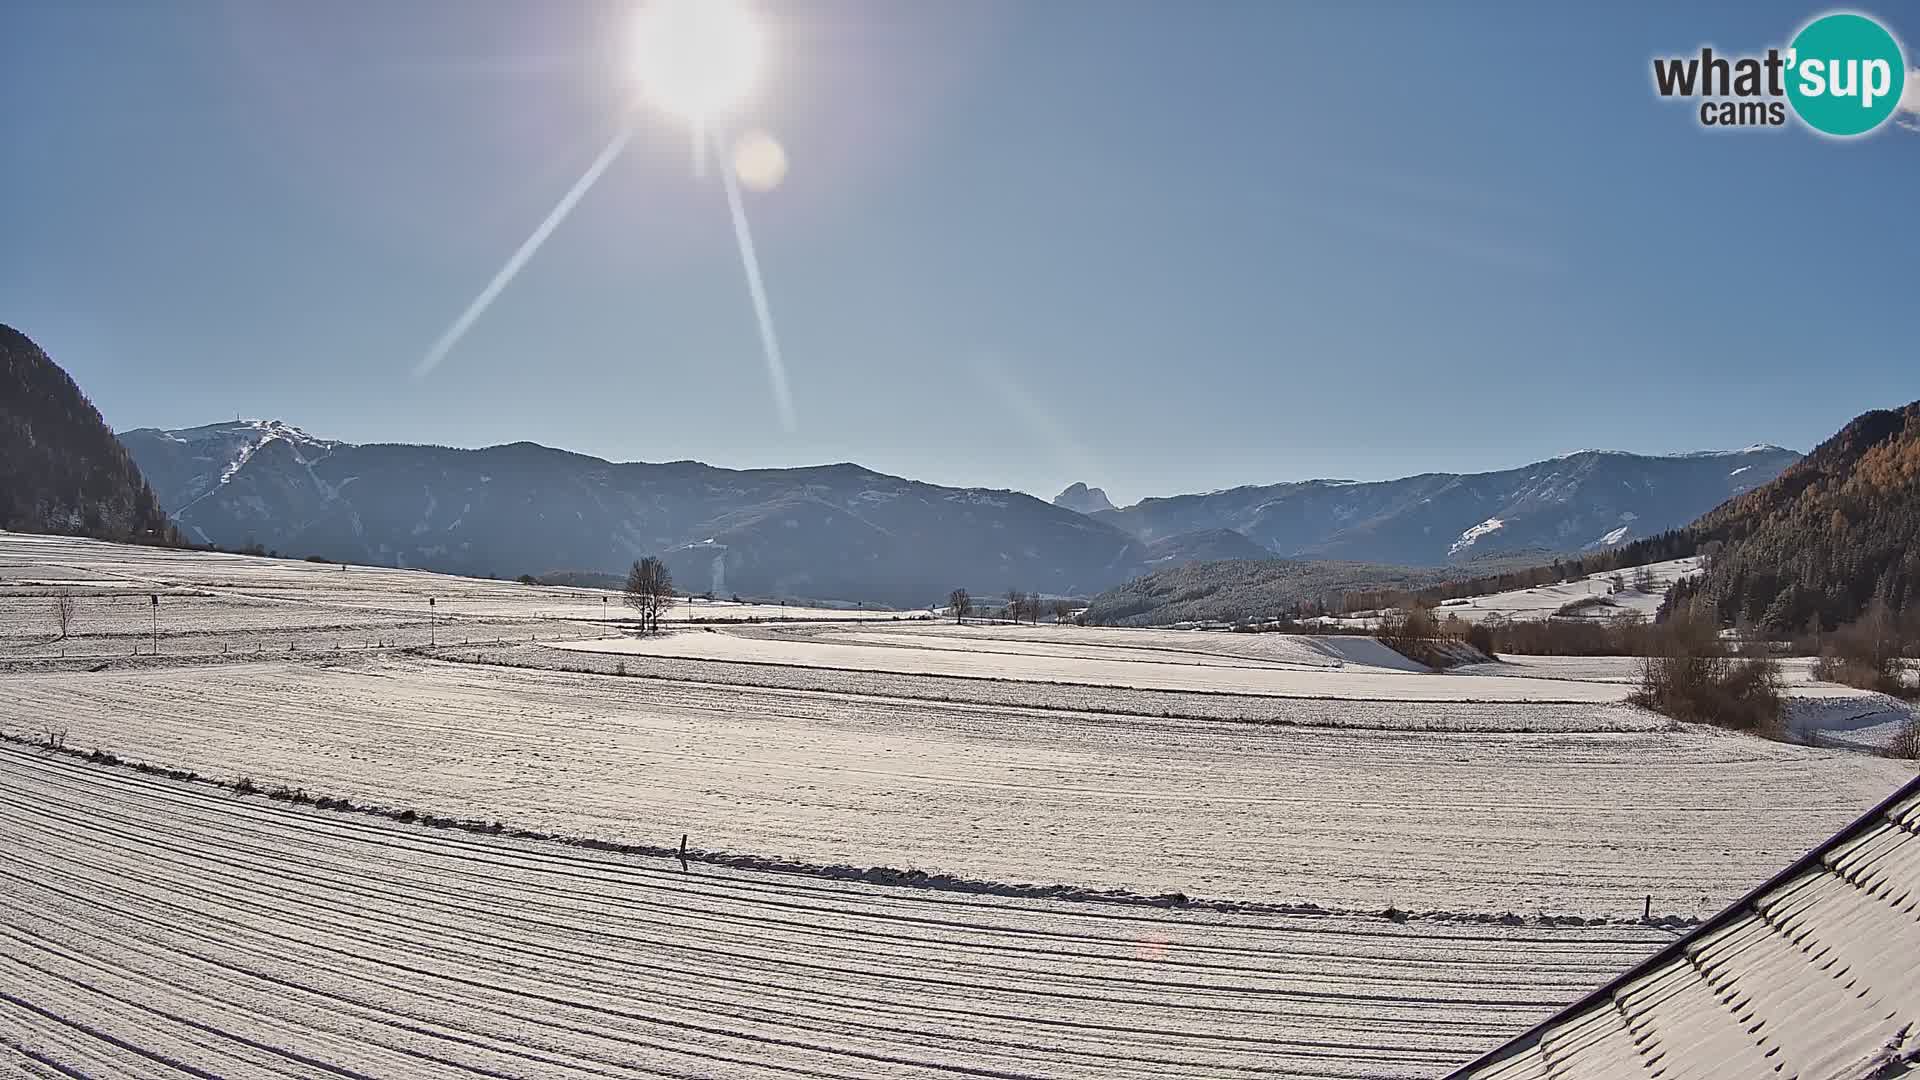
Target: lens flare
{"points": [[519, 258], [757, 290], [760, 161], [697, 60]]}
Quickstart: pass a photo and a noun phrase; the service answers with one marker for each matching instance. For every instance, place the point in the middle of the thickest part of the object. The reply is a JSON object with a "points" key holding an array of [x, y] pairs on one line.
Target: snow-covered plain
{"points": [[148, 922], [151, 927], [1313, 668], [1567, 821], [211, 601]]}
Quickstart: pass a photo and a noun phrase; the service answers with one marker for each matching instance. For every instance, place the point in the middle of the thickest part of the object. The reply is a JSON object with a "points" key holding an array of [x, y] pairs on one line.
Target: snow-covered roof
{"points": [[1813, 974]]}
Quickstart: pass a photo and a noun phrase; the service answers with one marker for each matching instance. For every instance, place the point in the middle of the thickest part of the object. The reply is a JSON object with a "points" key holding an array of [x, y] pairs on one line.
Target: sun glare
{"points": [[697, 58]]}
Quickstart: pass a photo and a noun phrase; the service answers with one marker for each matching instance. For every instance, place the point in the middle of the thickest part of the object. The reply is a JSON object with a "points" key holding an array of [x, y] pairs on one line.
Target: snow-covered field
{"points": [[1312, 667], [1561, 822], [150, 924], [1795, 671], [1541, 602], [210, 602], [153, 927]]}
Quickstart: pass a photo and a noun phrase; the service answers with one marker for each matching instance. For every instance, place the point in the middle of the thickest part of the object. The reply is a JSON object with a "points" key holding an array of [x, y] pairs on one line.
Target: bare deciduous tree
{"points": [[1643, 580], [1062, 610], [63, 613], [960, 603], [649, 591], [1024, 606]]}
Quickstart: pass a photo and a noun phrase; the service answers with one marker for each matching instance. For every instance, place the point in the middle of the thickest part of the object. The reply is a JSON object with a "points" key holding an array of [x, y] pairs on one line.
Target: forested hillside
{"points": [[1237, 590], [61, 469], [1831, 534]]}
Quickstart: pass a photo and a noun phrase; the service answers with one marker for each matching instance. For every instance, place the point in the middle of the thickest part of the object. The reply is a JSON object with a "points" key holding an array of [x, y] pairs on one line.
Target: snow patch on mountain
{"points": [[1472, 536]]}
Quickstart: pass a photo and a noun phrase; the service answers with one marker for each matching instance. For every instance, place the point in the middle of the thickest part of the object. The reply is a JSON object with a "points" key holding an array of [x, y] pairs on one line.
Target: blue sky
{"points": [[1154, 247]]}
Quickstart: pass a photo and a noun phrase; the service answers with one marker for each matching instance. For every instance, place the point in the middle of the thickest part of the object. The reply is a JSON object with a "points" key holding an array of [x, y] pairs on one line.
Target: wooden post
{"points": [[683, 853], [1647, 915]]}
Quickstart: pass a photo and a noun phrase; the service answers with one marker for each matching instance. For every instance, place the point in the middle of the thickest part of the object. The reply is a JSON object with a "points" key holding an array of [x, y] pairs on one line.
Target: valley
{"points": [[1311, 835]]}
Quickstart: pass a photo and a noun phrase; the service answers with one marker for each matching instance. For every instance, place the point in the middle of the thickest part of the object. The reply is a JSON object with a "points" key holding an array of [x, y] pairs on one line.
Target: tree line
{"points": [[1020, 606]]}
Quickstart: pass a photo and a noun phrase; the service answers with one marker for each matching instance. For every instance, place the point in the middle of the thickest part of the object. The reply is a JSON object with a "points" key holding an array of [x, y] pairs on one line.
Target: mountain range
{"points": [[1583, 501], [850, 533], [825, 532]]}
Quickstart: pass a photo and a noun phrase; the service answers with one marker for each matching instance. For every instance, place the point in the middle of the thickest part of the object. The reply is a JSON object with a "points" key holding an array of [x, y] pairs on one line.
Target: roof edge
{"points": [[1531, 1037]]}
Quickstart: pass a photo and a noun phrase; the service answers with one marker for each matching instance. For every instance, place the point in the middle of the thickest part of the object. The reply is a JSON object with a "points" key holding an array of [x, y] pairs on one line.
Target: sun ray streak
{"points": [[520, 257], [776, 368]]}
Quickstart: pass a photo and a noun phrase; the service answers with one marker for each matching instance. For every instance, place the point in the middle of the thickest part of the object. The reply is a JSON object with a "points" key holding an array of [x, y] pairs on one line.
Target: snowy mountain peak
{"points": [[1755, 449], [202, 460], [233, 432]]}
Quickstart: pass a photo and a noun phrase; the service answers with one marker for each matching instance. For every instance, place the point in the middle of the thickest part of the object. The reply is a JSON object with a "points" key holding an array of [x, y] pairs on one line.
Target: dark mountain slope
{"points": [[61, 470], [1243, 589], [1828, 536], [1203, 545]]}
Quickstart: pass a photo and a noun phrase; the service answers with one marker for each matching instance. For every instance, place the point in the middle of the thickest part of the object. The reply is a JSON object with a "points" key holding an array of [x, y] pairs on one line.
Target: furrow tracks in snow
{"points": [[151, 927]]}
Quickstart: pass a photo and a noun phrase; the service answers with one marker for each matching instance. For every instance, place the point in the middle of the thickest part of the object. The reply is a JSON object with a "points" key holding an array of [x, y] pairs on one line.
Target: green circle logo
{"points": [[1845, 74]]}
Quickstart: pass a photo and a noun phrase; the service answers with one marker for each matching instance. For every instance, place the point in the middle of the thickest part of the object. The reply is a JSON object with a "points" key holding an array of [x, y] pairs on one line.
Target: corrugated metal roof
{"points": [[1815, 975]]}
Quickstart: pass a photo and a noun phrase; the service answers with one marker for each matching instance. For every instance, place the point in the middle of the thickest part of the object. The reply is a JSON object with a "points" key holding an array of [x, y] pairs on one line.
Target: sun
{"points": [[697, 58]]}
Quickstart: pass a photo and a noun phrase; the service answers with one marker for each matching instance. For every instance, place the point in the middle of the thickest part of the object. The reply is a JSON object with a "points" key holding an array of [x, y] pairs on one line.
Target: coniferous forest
{"points": [[1826, 538], [61, 469]]}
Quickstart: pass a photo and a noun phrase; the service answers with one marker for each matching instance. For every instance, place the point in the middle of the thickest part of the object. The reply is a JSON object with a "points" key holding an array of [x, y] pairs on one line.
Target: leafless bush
{"points": [[1481, 636], [1688, 674], [1408, 628], [63, 613], [1418, 634], [1865, 653], [1906, 741], [1584, 605], [1622, 635]]}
